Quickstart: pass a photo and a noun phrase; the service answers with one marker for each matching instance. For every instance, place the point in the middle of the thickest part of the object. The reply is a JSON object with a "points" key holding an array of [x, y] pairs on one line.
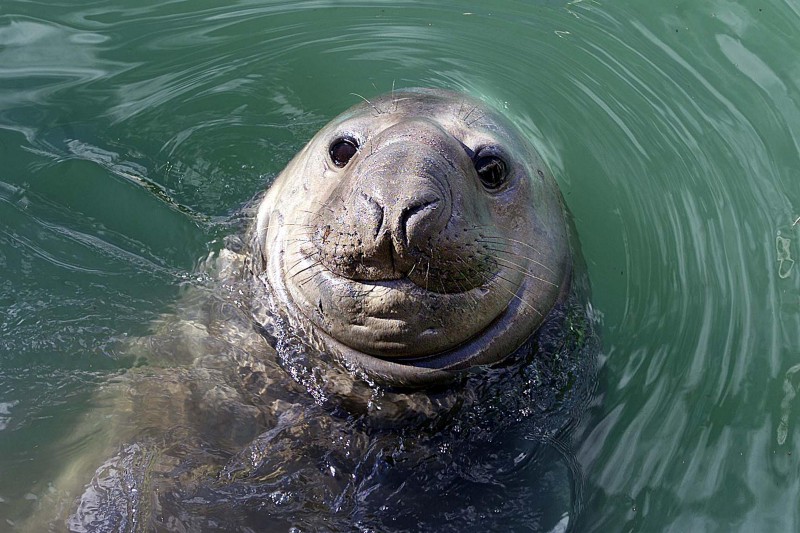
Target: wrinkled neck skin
{"points": [[402, 263]]}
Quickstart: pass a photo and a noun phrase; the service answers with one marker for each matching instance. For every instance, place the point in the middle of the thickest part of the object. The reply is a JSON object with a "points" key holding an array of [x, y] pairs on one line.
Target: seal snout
{"points": [[391, 208], [400, 222], [410, 218], [408, 177]]}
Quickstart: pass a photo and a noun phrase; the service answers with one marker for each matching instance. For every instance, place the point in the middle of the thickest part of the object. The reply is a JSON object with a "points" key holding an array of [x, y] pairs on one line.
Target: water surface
{"points": [[130, 131]]}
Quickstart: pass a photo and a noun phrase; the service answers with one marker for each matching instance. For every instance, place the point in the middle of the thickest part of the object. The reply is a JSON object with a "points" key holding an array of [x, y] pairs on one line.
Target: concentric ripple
{"points": [[130, 131]]}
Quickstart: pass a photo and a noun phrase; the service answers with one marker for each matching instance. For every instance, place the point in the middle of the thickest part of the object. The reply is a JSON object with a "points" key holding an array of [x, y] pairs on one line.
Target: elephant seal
{"points": [[416, 235], [417, 239]]}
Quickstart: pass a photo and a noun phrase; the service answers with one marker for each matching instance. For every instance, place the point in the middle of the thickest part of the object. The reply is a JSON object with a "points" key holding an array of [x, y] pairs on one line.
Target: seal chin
{"points": [[389, 330], [397, 337]]}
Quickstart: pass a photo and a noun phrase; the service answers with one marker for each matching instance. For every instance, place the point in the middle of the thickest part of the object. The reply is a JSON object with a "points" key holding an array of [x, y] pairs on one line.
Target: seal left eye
{"points": [[342, 151]]}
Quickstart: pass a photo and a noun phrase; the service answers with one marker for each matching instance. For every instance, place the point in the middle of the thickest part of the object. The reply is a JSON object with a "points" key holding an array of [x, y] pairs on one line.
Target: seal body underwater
{"points": [[401, 314]]}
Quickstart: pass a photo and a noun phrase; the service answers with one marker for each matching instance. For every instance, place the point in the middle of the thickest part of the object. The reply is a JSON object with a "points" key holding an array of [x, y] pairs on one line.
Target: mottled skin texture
{"points": [[402, 262], [405, 267]]}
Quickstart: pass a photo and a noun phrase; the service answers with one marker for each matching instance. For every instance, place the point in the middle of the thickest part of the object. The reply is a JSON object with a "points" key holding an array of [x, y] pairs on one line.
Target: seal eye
{"points": [[342, 151], [491, 170]]}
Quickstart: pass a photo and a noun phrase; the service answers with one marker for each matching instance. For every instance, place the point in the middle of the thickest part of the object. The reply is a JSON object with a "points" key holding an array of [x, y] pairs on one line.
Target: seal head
{"points": [[416, 235]]}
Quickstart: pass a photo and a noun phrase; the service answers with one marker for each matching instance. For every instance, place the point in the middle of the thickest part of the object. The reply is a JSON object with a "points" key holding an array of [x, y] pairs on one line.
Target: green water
{"points": [[128, 133]]}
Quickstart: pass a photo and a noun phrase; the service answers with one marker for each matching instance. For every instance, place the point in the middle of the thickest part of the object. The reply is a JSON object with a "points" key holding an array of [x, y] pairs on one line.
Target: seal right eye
{"points": [[491, 170], [342, 151]]}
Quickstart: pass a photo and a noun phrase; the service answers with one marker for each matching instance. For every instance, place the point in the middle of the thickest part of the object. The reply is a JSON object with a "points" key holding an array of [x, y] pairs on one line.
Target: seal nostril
{"points": [[420, 206], [374, 213], [416, 219]]}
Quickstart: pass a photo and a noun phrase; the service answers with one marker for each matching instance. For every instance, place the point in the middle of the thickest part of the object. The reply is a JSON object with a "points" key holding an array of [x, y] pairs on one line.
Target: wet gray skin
{"points": [[415, 235]]}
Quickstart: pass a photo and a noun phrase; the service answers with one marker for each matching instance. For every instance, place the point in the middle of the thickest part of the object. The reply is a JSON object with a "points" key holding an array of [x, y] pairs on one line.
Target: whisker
{"points": [[460, 109], [509, 239], [323, 204], [303, 240], [471, 111], [463, 290], [521, 270], [412, 269], [313, 275], [297, 224], [373, 106], [313, 213], [427, 275], [314, 255], [515, 295], [293, 275], [306, 240], [469, 122], [288, 270], [512, 254]]}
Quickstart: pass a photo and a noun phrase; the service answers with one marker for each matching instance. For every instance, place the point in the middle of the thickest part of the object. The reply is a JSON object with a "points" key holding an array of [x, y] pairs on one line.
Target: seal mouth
{"points": [[401, 281], [391, 358], [394, 319]]}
